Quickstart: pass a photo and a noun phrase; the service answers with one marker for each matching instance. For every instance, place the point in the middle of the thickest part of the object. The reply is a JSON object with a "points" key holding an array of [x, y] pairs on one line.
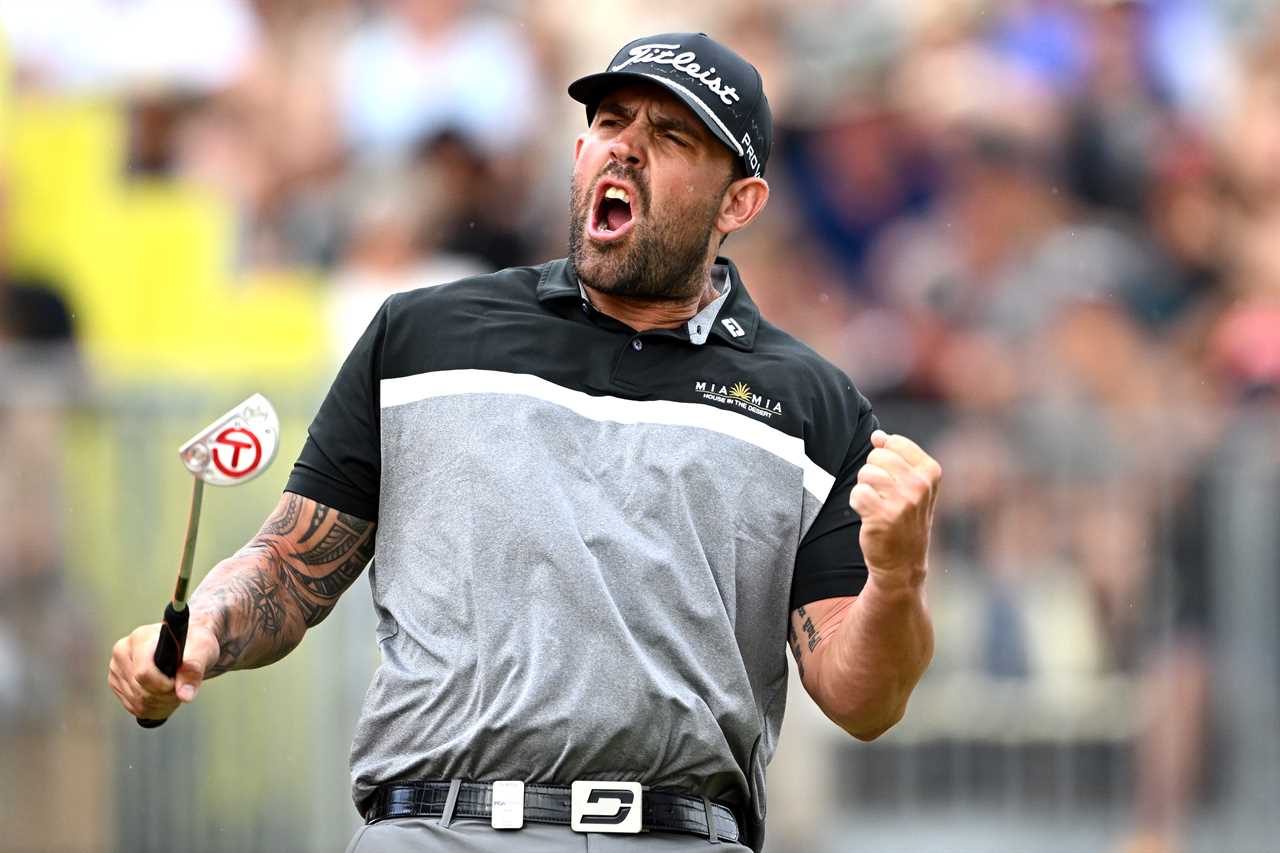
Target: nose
{"points": [[627, 148]]}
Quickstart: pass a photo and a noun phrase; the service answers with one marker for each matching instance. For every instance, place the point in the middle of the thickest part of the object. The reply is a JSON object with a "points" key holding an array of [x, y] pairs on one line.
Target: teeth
{"points": [[619, 193]]}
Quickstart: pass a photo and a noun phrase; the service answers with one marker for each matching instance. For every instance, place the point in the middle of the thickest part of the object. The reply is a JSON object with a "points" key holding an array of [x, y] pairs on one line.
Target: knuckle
{"points": [[920, 486], [154, 682], [886, 458]]}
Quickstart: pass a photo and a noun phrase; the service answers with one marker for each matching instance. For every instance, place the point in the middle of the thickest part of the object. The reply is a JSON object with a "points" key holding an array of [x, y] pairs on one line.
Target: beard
{"points": [[661, 260]]}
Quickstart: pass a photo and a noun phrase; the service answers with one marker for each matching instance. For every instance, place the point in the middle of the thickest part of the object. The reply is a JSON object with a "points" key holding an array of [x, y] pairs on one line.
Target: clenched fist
{"points": [[145, 691], [894, 496]]}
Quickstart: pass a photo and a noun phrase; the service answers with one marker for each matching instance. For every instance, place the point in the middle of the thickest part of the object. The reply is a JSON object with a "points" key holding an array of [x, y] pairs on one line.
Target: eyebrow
{"points": [[616, 109], [660, 121]]}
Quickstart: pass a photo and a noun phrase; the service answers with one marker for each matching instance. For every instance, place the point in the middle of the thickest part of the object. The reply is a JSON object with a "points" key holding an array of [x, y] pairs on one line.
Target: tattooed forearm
{"points": [[253, 619], [288, 578]]}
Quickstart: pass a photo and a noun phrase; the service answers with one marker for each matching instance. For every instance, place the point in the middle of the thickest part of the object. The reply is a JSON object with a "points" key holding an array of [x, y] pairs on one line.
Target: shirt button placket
{"points": [[632, 364]]}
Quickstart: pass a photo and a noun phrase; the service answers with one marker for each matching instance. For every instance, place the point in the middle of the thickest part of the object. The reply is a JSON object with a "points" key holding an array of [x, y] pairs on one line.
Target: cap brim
{"points": [[590, 90]]}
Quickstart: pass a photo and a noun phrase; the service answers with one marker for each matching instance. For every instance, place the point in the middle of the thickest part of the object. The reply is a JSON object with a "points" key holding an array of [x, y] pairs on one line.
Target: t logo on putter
{"points": [[605, 807]]}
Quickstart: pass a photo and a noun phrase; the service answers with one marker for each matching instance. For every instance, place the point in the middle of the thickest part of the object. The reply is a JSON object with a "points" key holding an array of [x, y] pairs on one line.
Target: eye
{"points": [[678, 140], [610, 122]]}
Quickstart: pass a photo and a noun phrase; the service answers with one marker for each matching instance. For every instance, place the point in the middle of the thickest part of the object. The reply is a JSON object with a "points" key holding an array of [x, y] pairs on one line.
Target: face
{"points": [[648, 183]]}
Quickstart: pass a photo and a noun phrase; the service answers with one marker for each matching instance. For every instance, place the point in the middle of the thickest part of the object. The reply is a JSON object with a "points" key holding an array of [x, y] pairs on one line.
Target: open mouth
{"points": [[611, 215]]}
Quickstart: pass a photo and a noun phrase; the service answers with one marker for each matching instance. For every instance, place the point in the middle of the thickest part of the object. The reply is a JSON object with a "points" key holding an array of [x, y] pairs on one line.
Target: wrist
{"points": [[204, 619], [898, 581]]}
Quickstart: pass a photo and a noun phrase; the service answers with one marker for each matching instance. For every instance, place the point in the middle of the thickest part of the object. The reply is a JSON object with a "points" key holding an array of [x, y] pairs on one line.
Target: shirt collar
{"points": [[733, 316], [701, 324]]}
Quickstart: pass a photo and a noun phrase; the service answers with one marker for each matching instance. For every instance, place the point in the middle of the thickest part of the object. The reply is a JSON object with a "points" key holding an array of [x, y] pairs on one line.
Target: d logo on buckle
{"points": [[605, 807]]}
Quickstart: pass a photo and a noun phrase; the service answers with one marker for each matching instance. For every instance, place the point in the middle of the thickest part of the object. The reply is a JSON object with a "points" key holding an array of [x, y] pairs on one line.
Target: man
{"points": [[599, 486]]}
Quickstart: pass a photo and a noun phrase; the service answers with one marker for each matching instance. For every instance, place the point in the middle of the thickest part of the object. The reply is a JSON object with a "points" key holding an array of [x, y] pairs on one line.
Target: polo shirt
{"points": [[589, 538]]}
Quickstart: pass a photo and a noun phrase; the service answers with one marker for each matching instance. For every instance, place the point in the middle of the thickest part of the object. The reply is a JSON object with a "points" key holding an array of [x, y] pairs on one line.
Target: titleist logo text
{"points": [[686, 63]]}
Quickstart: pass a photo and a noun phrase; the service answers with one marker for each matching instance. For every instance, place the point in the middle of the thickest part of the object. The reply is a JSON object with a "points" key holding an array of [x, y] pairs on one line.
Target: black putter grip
{"points": [[173, 638]]}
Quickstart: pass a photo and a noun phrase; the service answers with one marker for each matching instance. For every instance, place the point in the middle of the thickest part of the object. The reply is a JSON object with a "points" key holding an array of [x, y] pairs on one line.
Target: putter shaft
{"points": [[189, 546]]}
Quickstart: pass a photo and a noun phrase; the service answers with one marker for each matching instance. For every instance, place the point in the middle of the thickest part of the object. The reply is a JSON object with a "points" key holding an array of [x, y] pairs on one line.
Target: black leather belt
{"points": [[662, 811]]}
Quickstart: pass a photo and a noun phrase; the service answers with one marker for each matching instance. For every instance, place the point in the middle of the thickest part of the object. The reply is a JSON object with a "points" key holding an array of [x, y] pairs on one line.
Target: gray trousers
{"points": [[468, 835]]}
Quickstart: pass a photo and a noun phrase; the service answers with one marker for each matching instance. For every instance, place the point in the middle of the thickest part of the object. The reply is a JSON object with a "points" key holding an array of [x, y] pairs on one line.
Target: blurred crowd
{"points": [[1042, 234]]}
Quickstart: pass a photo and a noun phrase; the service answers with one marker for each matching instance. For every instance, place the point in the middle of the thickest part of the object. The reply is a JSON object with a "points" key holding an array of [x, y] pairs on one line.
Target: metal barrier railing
{"points": [[259, 762]]}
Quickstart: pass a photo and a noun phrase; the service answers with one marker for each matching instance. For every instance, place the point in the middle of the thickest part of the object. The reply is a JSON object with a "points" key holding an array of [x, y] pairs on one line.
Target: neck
{"points": [[643, 314]]}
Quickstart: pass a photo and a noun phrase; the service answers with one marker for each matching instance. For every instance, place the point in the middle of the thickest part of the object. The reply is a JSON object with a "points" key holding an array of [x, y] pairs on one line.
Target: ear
{"points": [[577, 146], [742, 202]]}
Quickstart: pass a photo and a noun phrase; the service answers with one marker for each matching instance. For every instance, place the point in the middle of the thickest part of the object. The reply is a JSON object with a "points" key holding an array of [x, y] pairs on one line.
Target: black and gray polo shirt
{"points": [[589, 538]]}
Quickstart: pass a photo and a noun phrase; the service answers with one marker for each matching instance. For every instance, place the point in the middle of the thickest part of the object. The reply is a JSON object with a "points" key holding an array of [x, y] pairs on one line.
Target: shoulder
{"points": [[827, 389], [448, 325], [512, 285], [460, 304], [831, 415]]}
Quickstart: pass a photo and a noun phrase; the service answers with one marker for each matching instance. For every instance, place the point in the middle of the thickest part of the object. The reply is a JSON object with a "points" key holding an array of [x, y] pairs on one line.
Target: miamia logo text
{"points": [[686, 63], [740, 395]]}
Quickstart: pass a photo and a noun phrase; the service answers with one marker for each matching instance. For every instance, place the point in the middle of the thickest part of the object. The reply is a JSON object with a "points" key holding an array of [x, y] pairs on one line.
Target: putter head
{"points": [[237, 446]]}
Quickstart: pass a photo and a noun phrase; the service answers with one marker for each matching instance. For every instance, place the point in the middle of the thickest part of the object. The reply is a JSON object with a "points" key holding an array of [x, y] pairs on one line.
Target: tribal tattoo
{"points": [[287, 579]]}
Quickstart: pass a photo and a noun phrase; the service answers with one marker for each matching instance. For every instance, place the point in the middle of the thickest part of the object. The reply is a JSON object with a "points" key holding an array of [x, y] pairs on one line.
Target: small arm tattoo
{"points": [[287, 579], [810, 631], [802, 646]]}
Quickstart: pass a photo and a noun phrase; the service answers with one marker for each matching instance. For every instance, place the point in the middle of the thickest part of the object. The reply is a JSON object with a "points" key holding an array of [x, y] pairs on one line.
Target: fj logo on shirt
{"points": [[740, 396]]}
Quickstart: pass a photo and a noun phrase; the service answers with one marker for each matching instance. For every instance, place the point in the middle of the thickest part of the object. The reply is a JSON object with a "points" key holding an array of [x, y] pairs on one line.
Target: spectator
{"points": [[481, 202], [419, 67], [389, 249], [44, 636], [126, 45]]}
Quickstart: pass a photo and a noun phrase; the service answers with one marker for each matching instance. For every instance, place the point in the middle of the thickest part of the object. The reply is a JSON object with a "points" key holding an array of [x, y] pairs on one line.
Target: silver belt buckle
{"points": [[507, 811], [603, 806]]}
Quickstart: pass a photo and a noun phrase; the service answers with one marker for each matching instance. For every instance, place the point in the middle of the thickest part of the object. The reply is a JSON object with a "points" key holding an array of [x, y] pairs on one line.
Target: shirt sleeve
{"points": [[829, 562], [341, 463]]}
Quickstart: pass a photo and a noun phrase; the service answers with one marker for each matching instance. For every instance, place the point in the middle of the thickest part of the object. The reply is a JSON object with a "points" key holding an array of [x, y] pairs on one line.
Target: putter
{"points": [[232, 450]]}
